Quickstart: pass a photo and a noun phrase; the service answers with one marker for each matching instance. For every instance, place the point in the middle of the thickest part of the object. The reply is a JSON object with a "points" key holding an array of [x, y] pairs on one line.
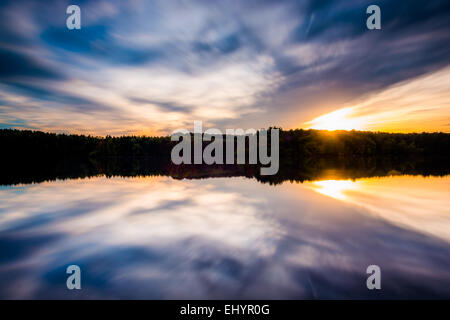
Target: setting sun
{"points": [[336, 120]]}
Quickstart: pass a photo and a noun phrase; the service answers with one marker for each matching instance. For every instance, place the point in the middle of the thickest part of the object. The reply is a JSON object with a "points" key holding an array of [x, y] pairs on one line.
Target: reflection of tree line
{"points": [[304, 169], [29, 156]]}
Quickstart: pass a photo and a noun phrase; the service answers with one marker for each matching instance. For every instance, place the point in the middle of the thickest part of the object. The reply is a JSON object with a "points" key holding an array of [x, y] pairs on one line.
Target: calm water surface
{"points": [[162, 238]]}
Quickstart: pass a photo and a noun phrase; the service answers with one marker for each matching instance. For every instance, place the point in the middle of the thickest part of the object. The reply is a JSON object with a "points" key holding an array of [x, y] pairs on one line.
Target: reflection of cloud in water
{"points": [[216, 238], [415, 202]]}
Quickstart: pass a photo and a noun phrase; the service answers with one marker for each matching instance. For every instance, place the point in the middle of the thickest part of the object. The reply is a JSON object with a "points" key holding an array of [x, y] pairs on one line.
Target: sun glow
{"points": [[336, 120], [335, 188], [417, 105], [417, 203]]}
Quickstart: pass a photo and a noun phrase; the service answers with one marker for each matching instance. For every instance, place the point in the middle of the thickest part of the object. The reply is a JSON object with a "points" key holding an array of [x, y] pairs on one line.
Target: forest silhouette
{"points": [[34, 156]]}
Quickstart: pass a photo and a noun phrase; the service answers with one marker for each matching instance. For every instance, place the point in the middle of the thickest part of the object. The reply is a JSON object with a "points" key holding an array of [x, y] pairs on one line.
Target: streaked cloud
{"points": [[422, 104], [150, 67]]}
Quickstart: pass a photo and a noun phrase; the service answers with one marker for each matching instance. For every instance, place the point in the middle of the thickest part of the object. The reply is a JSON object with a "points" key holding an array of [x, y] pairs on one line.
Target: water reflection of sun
{"points": [[414, 202], [335, 188]]}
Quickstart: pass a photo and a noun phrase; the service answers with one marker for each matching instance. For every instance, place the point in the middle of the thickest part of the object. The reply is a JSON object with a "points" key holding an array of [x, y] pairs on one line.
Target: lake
{"points": [[157, 237]]}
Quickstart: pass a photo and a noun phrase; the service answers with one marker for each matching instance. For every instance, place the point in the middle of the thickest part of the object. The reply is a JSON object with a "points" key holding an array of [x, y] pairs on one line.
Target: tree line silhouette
{"points": [[33, 156], [293, 144]]}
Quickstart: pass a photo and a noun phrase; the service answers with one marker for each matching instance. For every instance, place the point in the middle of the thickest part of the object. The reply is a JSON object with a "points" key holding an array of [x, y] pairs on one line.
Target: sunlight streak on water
{"points": [[335, 188], [419, 203]]}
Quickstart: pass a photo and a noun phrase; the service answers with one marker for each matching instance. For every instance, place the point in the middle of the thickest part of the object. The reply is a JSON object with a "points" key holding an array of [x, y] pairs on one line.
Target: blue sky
{"points": [[149, 67]]}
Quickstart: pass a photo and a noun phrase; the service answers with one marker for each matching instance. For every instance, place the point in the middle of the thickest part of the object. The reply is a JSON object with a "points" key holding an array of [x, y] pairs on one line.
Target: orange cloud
{"points": [[422, 104]]}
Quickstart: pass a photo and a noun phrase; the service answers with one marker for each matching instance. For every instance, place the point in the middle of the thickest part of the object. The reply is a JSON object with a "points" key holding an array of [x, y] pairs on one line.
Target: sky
{"points": [[150, 67]]}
